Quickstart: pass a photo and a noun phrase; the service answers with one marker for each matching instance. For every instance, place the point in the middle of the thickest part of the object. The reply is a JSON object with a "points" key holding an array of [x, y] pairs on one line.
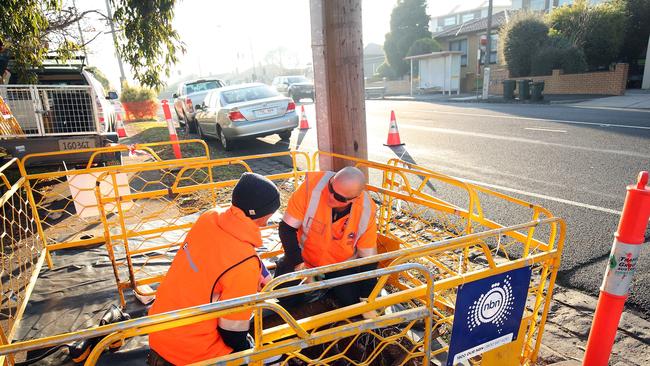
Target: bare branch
{"points": [[92, 39], [71, 17]]}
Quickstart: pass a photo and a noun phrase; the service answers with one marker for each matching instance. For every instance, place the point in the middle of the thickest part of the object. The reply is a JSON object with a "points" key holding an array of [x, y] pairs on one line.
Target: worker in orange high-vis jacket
{"points": [[330, 219], [217, 261]]}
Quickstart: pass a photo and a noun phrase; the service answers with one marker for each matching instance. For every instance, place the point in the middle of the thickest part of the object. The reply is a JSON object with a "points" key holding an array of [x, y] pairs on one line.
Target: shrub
{"points": [[420, 47], [385, 70], [570, 59], [525, 33], [598, 30], [423, 46], [137, 94], [605, 36]]}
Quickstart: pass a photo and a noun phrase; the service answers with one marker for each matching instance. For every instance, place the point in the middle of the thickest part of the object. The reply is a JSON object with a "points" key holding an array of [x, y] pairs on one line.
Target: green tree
{"points": [[598, 30], [22, 28], [571, 22], [522, 34], [423, 46], [420, 47], [99, 75], [637, 30], [605, 36], [408, 22], [384, 70], [30, 29]]}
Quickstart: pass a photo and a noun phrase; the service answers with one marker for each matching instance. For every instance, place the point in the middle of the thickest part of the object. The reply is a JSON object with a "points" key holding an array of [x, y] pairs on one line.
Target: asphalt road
{"points": [[574, 161]]}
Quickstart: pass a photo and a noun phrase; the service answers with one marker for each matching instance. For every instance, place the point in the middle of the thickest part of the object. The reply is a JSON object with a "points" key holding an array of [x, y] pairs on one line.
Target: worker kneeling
{"points": [[217, 261], [330, 219]]}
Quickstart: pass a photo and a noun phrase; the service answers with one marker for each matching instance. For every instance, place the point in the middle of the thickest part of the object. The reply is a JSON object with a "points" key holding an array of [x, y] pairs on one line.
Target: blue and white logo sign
{"points": [[488, 314]]}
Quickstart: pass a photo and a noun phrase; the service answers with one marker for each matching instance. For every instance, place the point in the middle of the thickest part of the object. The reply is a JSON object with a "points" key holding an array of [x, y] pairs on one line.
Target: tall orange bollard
{"points": [[172, 130], [620, 271]]}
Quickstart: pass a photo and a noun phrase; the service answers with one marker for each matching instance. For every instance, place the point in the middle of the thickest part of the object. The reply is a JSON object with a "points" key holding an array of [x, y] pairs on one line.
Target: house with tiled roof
{"points": [[466, 38]]}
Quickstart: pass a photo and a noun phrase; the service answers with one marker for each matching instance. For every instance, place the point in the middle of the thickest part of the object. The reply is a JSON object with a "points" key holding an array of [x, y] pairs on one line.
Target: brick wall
{"points": [[602, 82]]}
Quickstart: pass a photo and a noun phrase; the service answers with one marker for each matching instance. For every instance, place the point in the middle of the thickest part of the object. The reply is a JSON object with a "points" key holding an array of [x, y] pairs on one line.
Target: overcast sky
{"points": [[223, 35]]}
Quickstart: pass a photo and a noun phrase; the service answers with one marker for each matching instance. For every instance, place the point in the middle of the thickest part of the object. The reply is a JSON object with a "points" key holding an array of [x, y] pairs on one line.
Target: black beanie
{"points": [[256, 195]]}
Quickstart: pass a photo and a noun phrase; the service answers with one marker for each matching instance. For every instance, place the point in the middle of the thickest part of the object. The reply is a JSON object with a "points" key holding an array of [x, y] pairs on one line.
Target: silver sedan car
{"points": [[243, 111]]}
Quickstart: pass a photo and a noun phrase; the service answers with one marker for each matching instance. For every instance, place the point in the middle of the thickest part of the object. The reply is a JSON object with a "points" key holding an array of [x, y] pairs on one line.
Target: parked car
{"points": [[188, 96], [66, 110], [296, 87], [245, 111]]}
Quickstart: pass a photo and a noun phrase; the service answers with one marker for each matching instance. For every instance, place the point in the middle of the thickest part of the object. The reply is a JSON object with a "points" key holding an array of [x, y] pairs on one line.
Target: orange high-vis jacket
{"points": [[217, 257], [323, 242]]}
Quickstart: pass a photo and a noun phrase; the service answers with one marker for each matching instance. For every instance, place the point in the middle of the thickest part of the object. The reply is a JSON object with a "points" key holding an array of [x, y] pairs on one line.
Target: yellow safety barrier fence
{"points": [[63, 200], [148, 210], [21, 251], [429, 225]]}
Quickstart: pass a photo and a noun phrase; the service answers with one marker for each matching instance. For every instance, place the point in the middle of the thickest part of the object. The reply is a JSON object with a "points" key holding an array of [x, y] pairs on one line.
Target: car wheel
{"points": [[226, 143], [285, 135], [199, 131]]}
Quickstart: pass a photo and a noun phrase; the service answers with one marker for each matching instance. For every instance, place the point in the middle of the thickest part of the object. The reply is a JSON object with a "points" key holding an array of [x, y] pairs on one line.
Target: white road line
{"points": [[543, 196], [537, 119], [513, 190], [543, 129], [523, 140], [525, 193]]}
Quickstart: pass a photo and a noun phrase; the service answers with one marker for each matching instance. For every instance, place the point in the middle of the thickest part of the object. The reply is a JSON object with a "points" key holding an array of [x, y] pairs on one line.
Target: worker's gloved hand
{"points": [[301, 267]]}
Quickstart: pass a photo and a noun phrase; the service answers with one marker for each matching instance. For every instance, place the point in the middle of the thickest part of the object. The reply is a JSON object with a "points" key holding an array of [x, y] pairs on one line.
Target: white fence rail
{"points": [[52, 110]]}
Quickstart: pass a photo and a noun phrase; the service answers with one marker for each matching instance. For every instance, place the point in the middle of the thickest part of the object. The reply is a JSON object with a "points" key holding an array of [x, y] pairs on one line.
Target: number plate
{"points": [[265, 112], [76, 144]]}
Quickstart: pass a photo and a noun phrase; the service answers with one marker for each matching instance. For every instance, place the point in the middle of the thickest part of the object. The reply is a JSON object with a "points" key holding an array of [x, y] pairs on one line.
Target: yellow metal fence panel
{"points": [[145, 222], [21, 251], [63, 200], [435, 233]]}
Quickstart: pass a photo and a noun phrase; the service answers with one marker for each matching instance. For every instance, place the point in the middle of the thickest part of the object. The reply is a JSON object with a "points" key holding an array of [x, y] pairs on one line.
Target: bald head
{"points": [[349, 181]]}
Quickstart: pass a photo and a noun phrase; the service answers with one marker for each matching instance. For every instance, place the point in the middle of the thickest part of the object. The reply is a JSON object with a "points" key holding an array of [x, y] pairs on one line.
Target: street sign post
{"points": [[488, 314]]}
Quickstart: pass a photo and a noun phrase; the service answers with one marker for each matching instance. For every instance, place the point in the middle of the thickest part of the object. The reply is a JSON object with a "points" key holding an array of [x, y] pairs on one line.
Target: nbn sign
{"points": [[488, 314]]}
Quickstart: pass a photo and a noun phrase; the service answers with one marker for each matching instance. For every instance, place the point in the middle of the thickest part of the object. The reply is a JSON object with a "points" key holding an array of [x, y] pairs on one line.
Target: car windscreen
{"points": [[297, 79], [247, 94], [202, 86]]}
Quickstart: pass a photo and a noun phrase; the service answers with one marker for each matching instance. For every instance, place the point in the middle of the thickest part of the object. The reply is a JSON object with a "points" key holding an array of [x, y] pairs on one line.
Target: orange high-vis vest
{"points": [[217, 258], [325, 242]]}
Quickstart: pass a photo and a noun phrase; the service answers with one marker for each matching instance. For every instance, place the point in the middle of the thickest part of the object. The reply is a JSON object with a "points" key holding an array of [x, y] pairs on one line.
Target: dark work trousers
{"points": [[344, 295], [154, 359]]}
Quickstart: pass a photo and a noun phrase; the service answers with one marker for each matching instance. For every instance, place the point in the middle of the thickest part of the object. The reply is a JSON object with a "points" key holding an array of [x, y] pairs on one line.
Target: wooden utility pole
{"points": [[337, 48]]}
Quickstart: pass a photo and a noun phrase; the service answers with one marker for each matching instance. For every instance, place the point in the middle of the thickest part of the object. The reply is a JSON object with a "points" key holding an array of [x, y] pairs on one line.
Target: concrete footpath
{"points": [[633, 99], [567, 330]]}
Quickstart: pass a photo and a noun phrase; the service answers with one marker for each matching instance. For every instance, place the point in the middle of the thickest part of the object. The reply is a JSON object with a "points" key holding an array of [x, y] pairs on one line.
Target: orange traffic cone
{"points": [[121, 131], [304, 124], [393, 133]]}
